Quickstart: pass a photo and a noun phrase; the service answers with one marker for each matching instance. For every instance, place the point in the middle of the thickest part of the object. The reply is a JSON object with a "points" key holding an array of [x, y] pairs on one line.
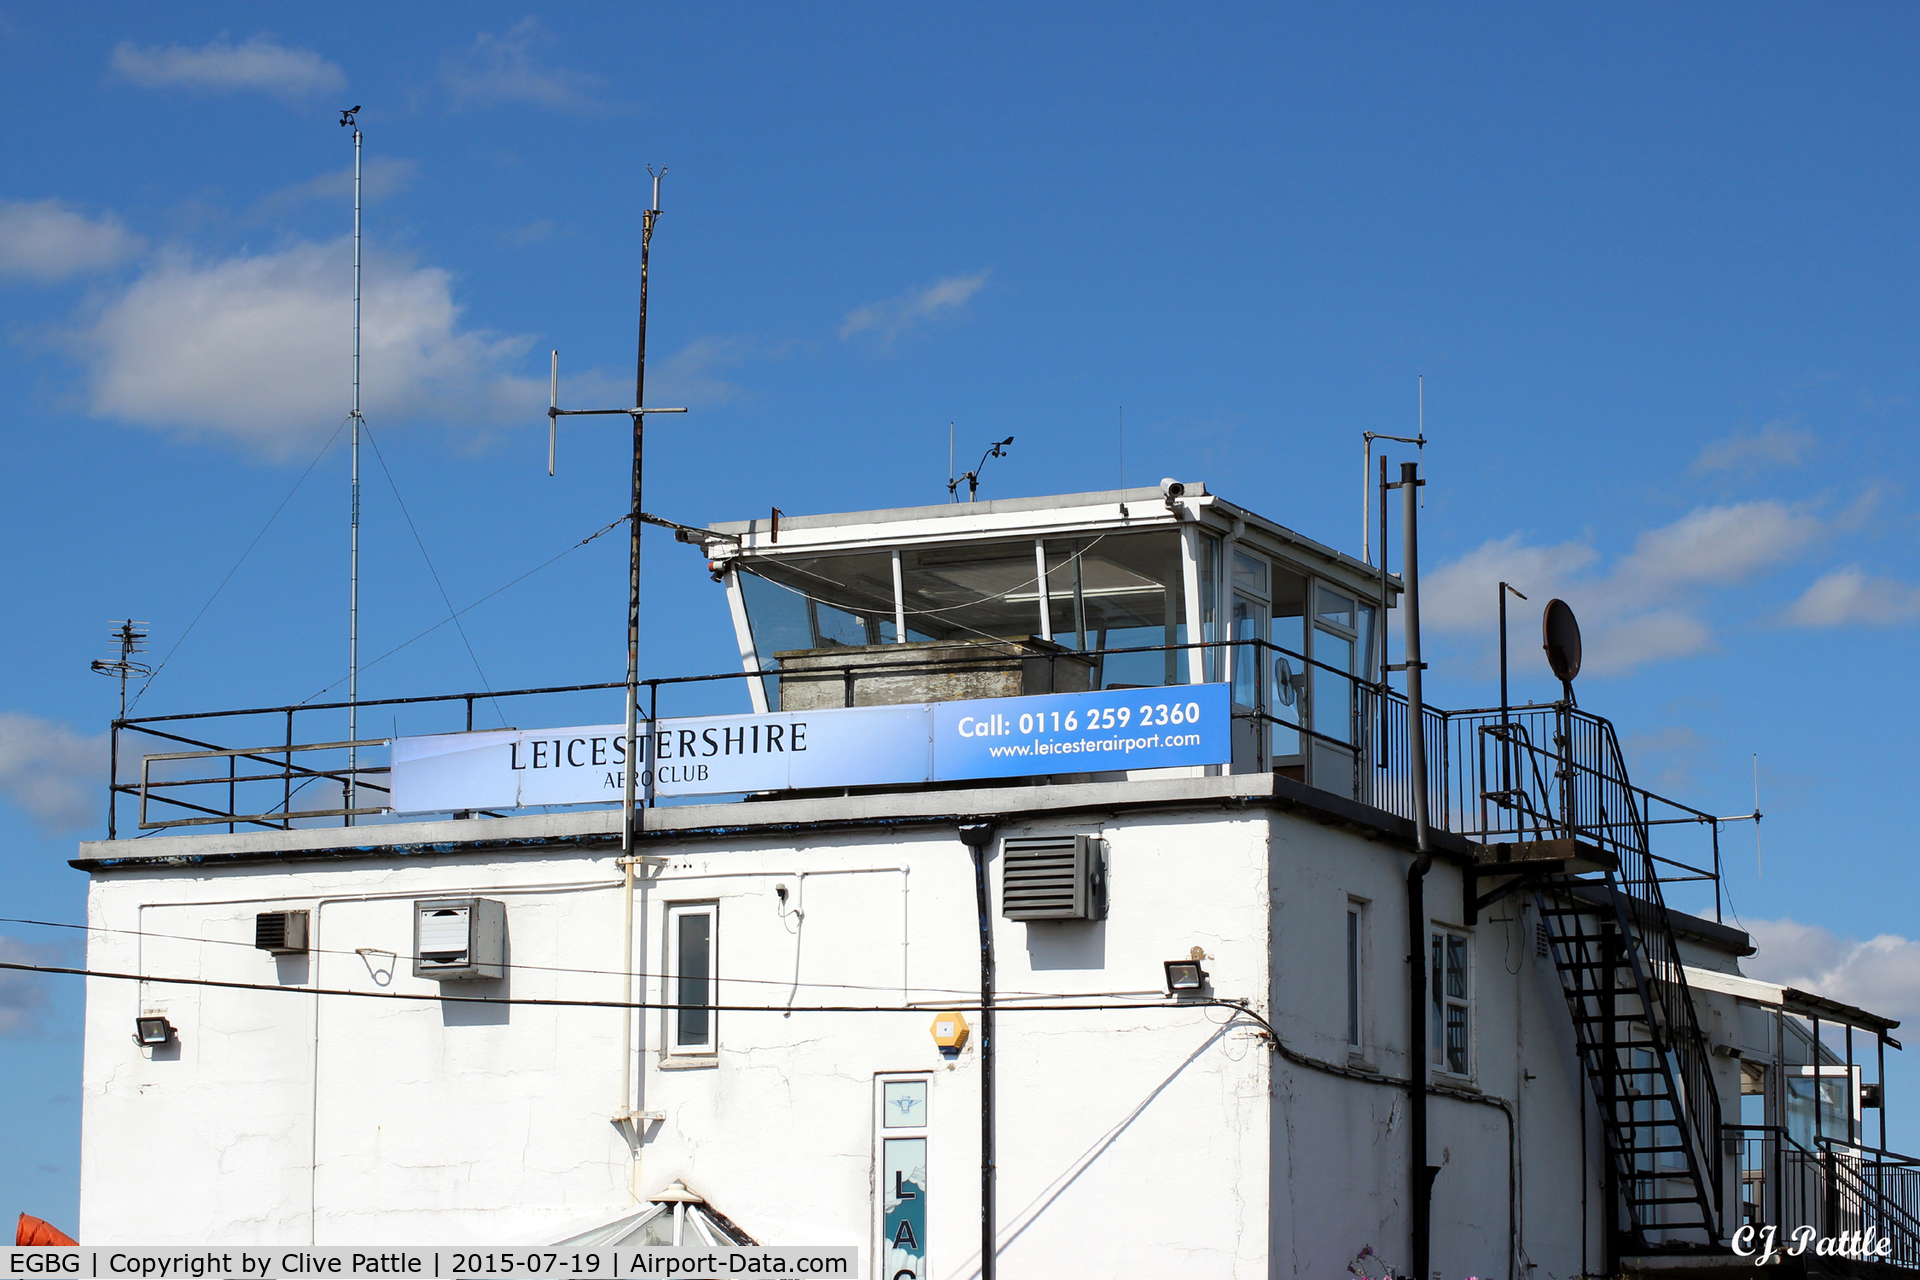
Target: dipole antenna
{"points": [[1418, 440], [348, 121]]}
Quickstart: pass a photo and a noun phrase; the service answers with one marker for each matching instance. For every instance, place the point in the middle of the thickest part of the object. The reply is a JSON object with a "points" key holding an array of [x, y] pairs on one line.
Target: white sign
{"points": [[702, 755], [839, 747]]}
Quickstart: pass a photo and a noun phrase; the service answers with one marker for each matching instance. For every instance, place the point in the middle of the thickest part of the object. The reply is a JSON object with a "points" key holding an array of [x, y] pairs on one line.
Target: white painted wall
{"points": [[1137, 1141]]}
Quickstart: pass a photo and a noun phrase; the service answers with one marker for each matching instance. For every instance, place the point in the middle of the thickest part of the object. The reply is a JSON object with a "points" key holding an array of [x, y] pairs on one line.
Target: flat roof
{"points": [[1143, 508]]}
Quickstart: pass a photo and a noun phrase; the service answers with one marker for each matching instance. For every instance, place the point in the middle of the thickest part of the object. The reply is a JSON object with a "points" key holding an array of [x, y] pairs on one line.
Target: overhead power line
{"points": [[609, 527], [536, 968], [557, 1002]]}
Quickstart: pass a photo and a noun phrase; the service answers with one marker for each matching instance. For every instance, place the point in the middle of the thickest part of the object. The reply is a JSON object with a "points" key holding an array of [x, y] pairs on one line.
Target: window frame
{"points": [[882, 1134], [1356, 959], [1440, 1001], [672, 1046]]}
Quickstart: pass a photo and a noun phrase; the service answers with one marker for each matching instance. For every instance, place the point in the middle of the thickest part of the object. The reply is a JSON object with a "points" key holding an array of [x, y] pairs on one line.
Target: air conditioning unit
{"points": [[456, 939], [1053, 878], [284, 933]]}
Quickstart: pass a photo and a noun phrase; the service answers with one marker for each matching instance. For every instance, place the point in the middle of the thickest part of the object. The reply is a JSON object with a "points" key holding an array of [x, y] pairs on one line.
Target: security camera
{"points": [[1171, 490]]}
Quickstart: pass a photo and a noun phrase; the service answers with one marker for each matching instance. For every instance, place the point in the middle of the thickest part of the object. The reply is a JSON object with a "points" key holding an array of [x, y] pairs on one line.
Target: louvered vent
{"points": [[459, 938], [284, 933], [1053, 878]]}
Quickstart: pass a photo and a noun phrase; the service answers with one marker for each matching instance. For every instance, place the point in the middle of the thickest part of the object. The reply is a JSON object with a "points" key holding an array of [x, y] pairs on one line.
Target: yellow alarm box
{"points": [[950, 1032]]}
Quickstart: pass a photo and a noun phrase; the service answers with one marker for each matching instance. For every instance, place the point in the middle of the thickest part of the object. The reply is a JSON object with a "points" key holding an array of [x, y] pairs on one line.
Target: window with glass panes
{"points": [[692, 952], [1451, 992], [1355, 939]]}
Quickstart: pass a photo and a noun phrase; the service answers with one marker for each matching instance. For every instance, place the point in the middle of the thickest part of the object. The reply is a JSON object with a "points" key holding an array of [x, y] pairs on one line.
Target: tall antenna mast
{"points": [[347, 120]]}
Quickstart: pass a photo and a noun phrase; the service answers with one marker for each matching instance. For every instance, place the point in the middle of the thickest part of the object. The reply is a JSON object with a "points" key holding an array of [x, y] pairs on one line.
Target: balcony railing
{"points": [[1525, 773], [1832, 1189]]}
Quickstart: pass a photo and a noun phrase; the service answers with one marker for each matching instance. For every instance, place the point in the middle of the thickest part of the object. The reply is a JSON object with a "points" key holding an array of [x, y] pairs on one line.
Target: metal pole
{"points": [[353, 554], [977, 836], [1366, 503], [113, 760], [635, 757], [1385, 683], [286, 780], [1409, 486], [1881, 1072], [1506, 723], [1420, 1174]]}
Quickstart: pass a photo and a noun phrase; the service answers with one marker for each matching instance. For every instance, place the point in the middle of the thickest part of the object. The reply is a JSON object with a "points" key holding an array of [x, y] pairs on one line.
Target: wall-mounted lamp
{"points": [[153, 1031], [1185, 978]]}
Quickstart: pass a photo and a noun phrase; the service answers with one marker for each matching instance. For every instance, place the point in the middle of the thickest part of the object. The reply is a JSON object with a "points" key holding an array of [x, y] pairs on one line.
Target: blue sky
{"points": [[1656, 264]]}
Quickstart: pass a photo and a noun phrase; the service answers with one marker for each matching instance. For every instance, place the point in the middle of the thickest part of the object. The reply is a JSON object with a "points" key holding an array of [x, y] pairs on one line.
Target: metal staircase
{"points": [[1642, 1053], [1612, 944]]}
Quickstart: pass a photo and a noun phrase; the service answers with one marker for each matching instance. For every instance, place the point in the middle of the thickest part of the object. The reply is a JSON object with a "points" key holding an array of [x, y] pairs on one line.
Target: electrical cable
{"points": [[604, 529], [563, 1003], [546, 968], [418, 541], [237, 563]]}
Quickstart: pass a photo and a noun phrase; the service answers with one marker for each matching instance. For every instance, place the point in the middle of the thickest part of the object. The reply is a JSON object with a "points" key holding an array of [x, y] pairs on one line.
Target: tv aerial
{"points": [[132, 638]]}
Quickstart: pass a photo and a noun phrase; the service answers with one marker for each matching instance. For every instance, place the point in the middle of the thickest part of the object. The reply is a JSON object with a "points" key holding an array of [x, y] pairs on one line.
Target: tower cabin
{"points": [[1041, 888], [1129, 589]]}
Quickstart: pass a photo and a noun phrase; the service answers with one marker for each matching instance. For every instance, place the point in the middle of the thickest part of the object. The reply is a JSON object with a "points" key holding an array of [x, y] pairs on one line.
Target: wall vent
{"points": [[284, 933], [1053, 878], [458, 939]]}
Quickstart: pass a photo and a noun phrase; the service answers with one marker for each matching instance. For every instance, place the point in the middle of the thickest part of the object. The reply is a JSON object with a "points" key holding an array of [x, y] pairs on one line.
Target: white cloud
{"points": [[1644, 608], [1881, 974], [52, 772], [1848, 596], [258, 349], [1777, 444], [510, 68], [49, 240], [887, 319], [381, 178], [692, 375], [261, 63], [23, 995], [1717, 545]]}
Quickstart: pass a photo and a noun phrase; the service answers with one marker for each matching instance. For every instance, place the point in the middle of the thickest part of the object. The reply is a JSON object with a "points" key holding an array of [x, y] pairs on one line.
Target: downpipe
{"points": [[978, 836], [1420, 1174]]}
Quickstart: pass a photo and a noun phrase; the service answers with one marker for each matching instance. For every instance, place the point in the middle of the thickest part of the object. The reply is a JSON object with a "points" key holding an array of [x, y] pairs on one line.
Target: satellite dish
{"points": [[1560, 637]]}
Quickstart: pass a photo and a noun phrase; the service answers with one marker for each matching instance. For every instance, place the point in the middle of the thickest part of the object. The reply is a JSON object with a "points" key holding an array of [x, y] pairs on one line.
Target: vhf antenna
{"points": [[1418, 440], [347, 121], [998, 449], [132, 637]]}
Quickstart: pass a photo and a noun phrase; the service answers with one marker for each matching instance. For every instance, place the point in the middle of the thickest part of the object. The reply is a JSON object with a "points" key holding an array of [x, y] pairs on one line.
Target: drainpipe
{"points": [[977, 836], [1420, 1174]]}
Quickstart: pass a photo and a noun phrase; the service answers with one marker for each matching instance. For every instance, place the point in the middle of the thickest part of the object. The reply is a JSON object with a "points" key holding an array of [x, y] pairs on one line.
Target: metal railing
{"points": [[1488, 776], [1832, 1189]]}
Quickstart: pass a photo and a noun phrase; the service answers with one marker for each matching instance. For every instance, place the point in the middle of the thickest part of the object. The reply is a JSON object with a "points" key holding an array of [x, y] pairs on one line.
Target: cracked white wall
{"points": [[1127, 1138], [1133, 1141]]}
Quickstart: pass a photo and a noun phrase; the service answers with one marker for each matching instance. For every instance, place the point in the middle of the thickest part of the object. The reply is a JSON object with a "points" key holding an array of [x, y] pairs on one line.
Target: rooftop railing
{"points": [[1493, 774]]}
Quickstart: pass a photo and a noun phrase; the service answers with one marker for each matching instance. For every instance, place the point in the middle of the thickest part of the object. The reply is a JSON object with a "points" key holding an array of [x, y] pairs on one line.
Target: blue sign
{"points": [[1097, 732]]}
